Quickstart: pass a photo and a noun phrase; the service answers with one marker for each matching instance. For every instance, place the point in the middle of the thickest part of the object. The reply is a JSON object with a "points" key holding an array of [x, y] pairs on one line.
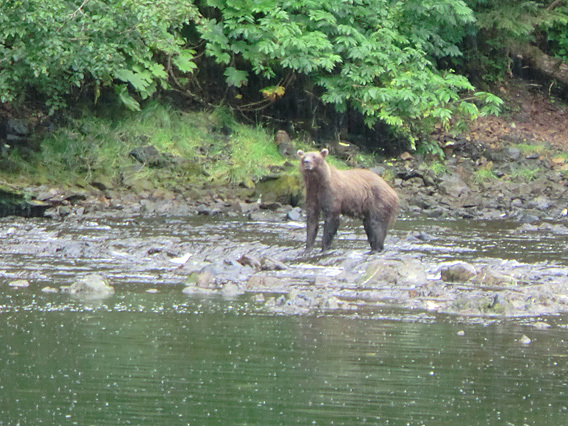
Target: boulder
{"points": [[19, 284], [406, 272], [490, 277], [453, 186], [270, 264], [91, 286], [460, 272], [285, 189], [232, 289], [148, 155], [295, 214], [18, 203]]}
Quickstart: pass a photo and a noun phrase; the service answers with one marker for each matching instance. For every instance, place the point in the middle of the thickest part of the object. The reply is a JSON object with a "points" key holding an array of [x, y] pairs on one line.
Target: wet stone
{"points": [[262, 281], [91, 286], [540, 325], [270, 264], [19, 284], [249, 260], [490, 277], [295, 214], [232, 290], [405, 272], [204, 252], [194, 290], [460, 272], [259, 298]]}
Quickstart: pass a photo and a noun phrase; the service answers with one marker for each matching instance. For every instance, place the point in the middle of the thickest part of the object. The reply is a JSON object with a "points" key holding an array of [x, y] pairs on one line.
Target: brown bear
{"points": [[356, 193]]}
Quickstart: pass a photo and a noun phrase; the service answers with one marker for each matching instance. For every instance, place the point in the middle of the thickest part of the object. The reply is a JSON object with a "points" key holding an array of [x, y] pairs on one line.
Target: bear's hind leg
{"points": [[376, 232]]}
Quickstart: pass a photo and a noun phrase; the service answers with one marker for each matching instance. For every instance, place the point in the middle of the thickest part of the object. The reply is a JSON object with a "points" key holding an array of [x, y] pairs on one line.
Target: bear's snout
{"points": [[307, 164]]}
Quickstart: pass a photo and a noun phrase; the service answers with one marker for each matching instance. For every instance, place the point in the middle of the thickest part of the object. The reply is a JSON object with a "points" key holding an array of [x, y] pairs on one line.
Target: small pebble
{"points": [[461, 333], [525, 340], [20, 283], [541, 325], [333, 303], [152, 290]]}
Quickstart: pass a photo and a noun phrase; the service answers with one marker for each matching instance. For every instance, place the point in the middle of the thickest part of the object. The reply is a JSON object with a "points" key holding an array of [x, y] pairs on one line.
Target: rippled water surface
{"points": [[119, 246], [168, 358]]}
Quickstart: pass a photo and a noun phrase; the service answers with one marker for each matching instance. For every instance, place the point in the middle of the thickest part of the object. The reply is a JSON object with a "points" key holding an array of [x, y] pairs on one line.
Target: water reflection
{"points": [[164, 358]]}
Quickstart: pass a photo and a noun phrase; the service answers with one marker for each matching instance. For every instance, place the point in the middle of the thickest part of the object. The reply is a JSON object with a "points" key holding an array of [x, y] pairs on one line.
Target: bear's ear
{"points": [[300, 153], [324, 152]]}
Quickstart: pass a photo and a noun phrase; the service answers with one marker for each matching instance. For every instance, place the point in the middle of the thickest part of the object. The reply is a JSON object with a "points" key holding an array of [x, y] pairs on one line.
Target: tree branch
{"points": [[72, 15], [554, 4]]}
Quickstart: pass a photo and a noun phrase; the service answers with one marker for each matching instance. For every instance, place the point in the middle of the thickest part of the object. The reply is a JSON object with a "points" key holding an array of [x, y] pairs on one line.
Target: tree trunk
{"points": [[543, 67]]}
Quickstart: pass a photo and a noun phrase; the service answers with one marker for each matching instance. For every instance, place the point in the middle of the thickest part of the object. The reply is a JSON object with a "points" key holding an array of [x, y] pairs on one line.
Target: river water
{"points": [[169, 358]]}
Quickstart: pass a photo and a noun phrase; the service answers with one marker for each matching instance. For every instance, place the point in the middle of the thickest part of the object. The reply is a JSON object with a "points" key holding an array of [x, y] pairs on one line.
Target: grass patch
{"points": [[215, 150], [526, 174], [243, 156], [438, 168], [526, 149], [221, 150], [484, 175]]}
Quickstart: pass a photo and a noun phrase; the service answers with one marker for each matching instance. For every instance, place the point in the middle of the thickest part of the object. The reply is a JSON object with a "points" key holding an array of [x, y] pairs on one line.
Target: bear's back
{"points": [[361, 191]]}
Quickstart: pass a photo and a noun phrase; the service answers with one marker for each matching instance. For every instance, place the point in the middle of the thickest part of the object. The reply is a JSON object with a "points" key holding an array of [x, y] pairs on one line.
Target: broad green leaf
{"points": [[184, 61], [236, 77], [128, 101]]}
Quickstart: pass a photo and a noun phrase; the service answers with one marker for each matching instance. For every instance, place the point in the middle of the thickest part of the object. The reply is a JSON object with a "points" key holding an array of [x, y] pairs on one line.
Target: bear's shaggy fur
{"points": [[356, 193]]}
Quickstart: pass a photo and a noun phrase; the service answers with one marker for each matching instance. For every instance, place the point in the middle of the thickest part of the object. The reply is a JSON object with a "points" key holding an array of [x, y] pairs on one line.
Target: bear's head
{"points": [[312, 160]]}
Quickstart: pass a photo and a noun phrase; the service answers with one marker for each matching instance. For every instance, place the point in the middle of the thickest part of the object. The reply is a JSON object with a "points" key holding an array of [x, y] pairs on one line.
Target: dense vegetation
{"points": [[407, 65], [193, 150]]}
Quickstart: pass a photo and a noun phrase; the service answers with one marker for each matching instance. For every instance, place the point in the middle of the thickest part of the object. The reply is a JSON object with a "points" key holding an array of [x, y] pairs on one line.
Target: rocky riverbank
{"points": [[475, 182], [519, 189], [470, 268], [487, 183]]}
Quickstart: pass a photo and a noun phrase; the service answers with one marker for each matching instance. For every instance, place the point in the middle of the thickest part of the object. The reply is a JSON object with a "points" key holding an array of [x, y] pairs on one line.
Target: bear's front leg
{"points": [[330, 226], [312, 229]]}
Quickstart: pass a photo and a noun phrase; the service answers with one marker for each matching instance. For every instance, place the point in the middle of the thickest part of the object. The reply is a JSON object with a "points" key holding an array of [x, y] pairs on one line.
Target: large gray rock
{"points": [[19, 284], [405, 272], [490, 277], [148, 155], [460, 272], [91, 286], [453, 186]]}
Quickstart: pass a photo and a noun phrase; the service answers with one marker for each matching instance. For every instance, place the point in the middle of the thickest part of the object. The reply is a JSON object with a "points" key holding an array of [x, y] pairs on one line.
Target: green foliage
{"points": [[437, 27], [512, 19], [94, 146], [438, 168], [526, 174], [527, 148], [372, 55], [250, 151], [430, 147], [483, 175], [377, 56], [557, 35], [52, 48], [499, 24]]}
